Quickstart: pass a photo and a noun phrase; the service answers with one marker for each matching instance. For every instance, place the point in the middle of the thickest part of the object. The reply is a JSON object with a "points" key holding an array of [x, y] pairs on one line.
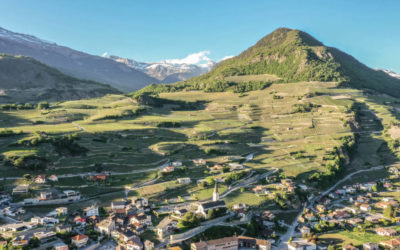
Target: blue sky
{"points": [[150, 30]]}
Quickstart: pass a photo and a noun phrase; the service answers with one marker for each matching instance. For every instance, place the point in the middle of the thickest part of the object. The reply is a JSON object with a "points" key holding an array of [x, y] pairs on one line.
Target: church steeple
{"points": [[215, 193]]}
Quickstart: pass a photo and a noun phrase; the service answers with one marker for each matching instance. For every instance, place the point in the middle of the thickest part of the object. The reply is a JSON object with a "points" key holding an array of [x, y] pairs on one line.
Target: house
{"points": [[79, 240], [64, 228], [349, 247], [53, 178], [148, 245], [61, 210], [232, 243], [370, 246], [235, 166], [45, 236], [134, 244], [21, 189], [267, 215], [45, 195], [365, 207], [185, 180], [41, 179], [305, 230], [355, 221], [350, 190], [165, 227], [105, 226], [391, 244], [287, 182], [301, 245], [340, 214], [98, 177], [70, 193], [179, 213], [141, 202], [240, 208], [387, 185], [20, 241], [385, 204], [303, 187], [310, 217], [373, 218], [13, 210], [126, 236], [199, 162], [203, 208], [60, 246], [169, 169], [91, 211], [320, 208], [216, 168], [385, 231], [176, 164], [260, 189], [141, 219], [78, 220], [115, 205], [222, 243]]}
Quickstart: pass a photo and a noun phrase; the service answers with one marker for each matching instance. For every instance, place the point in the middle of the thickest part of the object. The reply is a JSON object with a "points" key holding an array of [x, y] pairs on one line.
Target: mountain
{"points": [[74, 63], [23, 79], [391, 73], [166, 71], [288, 55]]}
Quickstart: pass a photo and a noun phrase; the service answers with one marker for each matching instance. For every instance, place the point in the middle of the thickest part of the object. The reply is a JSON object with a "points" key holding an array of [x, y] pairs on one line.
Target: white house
{"points": [[185, 180], [91, 211], [53, 177]]}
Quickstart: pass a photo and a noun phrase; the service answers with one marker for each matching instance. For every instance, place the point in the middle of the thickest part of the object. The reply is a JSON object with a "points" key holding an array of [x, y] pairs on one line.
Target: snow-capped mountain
{"points": [[172, 70], [73, 62], [391, 73]]}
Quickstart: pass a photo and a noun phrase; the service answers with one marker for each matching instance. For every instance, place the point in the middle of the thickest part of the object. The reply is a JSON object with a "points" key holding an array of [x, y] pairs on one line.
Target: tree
{"points": [[210, 180], [34, 243], [331, 247], [43, 105], [27, 177], [189, 220]]}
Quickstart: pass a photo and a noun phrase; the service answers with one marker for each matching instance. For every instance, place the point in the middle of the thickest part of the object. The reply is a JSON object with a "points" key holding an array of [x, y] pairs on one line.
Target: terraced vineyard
{"points": [[294, 127]]}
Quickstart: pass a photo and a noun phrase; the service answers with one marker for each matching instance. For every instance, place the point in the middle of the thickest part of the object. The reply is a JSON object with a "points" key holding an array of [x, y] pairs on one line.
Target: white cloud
{"points": [[198, 58]]}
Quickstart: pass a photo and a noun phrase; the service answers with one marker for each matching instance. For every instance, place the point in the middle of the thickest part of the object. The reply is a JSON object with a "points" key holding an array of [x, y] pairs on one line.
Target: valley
{"points": [[273, 146]]}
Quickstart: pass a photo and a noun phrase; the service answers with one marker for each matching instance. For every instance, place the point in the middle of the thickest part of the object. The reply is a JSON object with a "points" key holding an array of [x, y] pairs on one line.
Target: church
{"points": [[204, 207]]}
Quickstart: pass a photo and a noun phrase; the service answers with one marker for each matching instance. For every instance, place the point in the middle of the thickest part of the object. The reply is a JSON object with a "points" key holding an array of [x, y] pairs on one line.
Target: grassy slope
{"points": [[290, 55]]}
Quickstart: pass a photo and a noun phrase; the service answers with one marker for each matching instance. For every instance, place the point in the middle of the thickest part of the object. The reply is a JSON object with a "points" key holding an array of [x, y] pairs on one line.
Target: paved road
{"points": [[248, 182], [289, 233]]}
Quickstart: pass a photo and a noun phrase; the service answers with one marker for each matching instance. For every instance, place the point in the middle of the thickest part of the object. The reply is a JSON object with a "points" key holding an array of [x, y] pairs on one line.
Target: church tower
{"points": [[215, 193]]}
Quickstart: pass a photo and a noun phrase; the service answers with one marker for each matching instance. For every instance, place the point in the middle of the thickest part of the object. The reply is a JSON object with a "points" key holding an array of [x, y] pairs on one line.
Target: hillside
{"points": [[290, 56], [23, 79], [73, 62], [250, 120]]}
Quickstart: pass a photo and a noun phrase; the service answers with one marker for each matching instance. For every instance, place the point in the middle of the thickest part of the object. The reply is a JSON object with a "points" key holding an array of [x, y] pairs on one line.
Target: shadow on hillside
{"points": [[9, 120]]}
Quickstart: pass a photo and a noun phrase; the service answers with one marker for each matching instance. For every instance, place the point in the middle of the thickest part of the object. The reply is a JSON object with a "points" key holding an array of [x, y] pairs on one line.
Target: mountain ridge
{"points": [[72, 62], [292, 56], [24, 79]]}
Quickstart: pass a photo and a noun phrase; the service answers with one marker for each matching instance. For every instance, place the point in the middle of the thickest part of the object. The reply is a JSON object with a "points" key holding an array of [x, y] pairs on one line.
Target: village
{"points": [[139, 223]]}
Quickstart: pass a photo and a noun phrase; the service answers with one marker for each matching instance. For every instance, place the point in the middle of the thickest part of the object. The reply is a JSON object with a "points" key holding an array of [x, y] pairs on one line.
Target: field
{"points": [[129, 140]]}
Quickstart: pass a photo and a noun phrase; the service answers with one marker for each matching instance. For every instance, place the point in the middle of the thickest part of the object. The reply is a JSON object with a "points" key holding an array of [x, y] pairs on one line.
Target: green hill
{"points": [[289, 56], [23, 79]]}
